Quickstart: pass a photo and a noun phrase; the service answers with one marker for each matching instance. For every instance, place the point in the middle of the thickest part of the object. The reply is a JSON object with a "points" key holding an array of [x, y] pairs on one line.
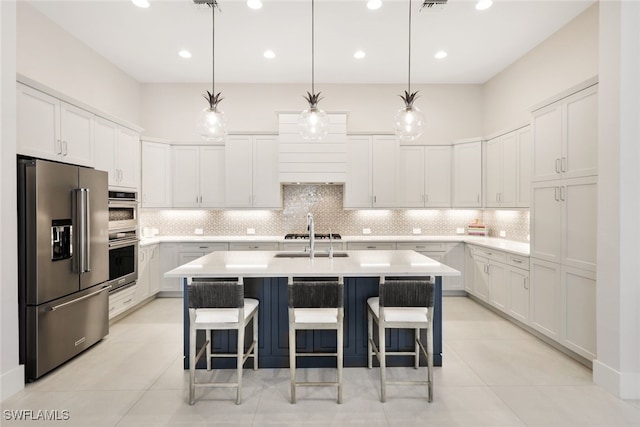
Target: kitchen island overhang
{"points": [[265, 275]]}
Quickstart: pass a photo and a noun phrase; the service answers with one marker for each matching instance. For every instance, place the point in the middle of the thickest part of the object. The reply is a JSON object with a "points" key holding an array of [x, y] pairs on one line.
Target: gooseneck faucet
{"points": [[312, 237]]}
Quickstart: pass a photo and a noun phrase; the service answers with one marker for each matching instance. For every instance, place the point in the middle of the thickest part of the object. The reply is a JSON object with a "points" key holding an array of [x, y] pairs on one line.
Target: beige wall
{"points": [[51, 56], [170, 110], [568, 57]]}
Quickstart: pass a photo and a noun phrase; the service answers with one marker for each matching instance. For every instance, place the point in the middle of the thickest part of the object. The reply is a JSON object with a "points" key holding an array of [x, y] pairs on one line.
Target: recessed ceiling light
{"points": [[184, 53], [374, 4], [269, 54], [359, 54], [484, 4], [254, 4], [441, 54], [141, 3]]}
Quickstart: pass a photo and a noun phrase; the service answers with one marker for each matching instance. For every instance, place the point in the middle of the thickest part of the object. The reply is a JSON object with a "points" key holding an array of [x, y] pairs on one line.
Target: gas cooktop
{"points": [[319, 236]]}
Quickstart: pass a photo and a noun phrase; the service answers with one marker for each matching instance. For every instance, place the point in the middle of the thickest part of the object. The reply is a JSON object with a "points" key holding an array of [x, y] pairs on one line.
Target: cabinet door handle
{"points": [[66, 151], [563, 164], [558, 165], [556, 195], [375, 199], [478, 198], [58, 146], [526, 283], [562, 193]]}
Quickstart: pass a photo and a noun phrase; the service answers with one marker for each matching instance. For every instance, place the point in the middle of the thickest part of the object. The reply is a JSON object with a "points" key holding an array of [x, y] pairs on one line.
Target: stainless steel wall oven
{"points": [[123, 239]]}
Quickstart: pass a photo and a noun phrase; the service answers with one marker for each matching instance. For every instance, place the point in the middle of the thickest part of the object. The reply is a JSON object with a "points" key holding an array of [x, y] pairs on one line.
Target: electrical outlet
{"points": [[417, 231], [366, 231], [198, 231], [503, 233], [460, 230], [251, 231]]}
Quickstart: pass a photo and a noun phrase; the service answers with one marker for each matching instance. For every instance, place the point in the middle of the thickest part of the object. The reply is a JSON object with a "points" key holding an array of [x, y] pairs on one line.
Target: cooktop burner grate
{"points": [[319, 236]]}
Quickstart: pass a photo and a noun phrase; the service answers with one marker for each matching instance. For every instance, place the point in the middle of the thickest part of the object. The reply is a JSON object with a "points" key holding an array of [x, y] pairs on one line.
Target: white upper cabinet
{"points": [[565, 137], [117, 152], [467, 175], [358, 185], [156, 175], [372, 172], [198, 176], [252, 172], [424, 176], [508, 170], [52, 129]]}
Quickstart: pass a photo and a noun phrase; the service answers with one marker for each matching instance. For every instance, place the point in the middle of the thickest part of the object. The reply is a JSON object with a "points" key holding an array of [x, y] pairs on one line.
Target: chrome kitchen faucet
{"points": [[312, 237]]}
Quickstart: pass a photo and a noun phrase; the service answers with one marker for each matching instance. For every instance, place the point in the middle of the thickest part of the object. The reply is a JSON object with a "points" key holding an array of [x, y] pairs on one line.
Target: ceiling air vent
{"points": [[433, 5]]}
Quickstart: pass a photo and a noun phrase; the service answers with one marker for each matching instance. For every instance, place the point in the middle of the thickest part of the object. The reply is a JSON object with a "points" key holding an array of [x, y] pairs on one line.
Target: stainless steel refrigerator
{"points": [[63, 262]]}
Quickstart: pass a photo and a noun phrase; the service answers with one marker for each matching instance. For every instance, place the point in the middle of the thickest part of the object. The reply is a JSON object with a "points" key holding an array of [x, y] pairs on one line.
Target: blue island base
{"points": [[273, 329]]}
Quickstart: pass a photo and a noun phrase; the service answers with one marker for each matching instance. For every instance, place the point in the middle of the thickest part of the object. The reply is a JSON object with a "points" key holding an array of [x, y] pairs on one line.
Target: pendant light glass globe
{"points": [[212, 125], [409, 123], [313, 124]]}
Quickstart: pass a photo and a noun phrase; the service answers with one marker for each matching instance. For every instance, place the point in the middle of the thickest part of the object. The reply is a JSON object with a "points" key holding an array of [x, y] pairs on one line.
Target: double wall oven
{"points": [[123, 239]]}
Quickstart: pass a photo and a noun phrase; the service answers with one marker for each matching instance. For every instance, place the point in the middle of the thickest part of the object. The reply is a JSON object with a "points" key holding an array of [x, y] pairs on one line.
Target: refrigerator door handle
{"points": [[82, 298], [82, 261]]}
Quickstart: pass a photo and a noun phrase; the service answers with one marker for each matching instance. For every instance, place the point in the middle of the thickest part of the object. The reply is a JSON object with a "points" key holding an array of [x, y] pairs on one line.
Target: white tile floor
{"points": [[495, 374]]}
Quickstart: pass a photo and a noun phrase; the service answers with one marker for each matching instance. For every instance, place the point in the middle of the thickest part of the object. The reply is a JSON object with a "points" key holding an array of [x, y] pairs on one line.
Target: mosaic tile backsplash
{"points": [[325, 202]]}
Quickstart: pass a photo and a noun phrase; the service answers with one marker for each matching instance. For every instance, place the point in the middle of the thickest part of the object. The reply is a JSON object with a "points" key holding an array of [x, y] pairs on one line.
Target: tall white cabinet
{"points": [[564, 220]]}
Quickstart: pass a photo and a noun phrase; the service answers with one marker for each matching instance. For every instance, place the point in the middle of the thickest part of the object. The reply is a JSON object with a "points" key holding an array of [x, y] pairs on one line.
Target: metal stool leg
{"points": [[239, 359], [369, 338], [383, 362], [192, 362], [416, 348], [292, 362], [340, 351]]}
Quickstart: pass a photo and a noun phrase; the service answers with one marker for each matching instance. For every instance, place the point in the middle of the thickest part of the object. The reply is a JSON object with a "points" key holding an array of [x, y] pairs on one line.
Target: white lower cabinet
{"points": [[518, 292], [500, 279], [121, 301], [148, 273], [371, 246], [169, 261], [578, 296], [545, 297], [260, 246], [451, 254], [563, 305]]}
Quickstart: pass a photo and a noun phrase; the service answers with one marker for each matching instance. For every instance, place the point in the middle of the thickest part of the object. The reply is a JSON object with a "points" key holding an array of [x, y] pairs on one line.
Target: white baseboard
{"points": [[11, 382], [625, 385]]}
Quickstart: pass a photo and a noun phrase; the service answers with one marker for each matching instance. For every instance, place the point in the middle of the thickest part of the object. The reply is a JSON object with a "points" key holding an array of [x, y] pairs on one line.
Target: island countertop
{"points": [[277, 264]]}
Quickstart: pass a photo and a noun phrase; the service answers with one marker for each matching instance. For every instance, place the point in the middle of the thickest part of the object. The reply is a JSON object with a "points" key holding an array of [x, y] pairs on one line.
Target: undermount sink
{"points": [[306, 255]]}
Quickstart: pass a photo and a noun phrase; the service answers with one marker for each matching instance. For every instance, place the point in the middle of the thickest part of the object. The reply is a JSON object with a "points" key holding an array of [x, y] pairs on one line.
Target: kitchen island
{"points": [[265, 275]]}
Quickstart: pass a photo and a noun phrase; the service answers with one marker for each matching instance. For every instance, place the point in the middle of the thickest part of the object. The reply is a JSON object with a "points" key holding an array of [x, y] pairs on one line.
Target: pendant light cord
{"points": [[409, 76], [313, 31], [213, 48]]}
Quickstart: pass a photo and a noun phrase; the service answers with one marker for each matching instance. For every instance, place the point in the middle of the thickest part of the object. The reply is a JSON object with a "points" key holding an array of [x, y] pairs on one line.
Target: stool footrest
{"points": [[317, 383], [315, 354]]}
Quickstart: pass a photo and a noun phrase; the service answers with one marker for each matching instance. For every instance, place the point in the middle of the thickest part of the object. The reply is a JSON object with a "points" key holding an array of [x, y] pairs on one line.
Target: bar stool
{"points": [[315, 304], [219, 304], [402, 303]]}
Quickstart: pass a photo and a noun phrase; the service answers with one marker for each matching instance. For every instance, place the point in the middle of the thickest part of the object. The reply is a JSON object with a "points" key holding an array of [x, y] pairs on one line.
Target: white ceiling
{"points": [[144, 42]]}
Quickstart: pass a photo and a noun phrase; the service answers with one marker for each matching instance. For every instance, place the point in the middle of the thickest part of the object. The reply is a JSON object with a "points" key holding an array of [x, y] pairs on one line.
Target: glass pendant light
{"points": [[313, 122], [212, 122], [409, 121]]}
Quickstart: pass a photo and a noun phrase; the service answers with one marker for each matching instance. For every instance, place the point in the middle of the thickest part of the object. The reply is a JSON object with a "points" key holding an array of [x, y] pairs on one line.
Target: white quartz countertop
{"points": [[518, 248], [357, 264]]}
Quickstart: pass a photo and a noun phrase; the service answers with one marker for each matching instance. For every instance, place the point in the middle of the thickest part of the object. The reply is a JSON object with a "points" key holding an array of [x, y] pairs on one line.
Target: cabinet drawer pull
{"points": [[519, 261], [371, 247], [127, 301]]}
